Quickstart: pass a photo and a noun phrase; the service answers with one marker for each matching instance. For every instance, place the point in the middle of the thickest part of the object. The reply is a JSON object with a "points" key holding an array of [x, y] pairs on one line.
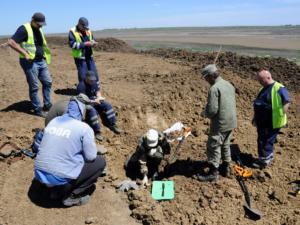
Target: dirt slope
{"points": [[146, 92]]}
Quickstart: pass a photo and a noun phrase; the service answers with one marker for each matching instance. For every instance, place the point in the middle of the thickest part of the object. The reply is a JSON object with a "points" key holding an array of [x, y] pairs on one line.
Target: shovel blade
{"points": [[251, 213]]}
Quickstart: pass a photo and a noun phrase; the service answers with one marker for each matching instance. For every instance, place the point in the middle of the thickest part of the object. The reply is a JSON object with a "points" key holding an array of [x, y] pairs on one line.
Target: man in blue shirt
{"points": [[271, 99], [67, 161], [90, 87], [81, 42], [60, 107], [30, 42]]}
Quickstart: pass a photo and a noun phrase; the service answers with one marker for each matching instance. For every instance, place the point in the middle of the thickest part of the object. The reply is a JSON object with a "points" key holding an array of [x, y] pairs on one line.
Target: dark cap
{"points": [[90, 76], [39, 18], [83, 22]]}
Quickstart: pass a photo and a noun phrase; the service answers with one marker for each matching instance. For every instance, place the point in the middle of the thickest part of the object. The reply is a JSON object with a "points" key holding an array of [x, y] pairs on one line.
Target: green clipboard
{"points": [[162, 190]]}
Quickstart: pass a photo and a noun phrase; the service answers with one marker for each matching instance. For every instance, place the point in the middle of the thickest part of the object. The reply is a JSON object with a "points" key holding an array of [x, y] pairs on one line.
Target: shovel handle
{"points": [[244, 189]]}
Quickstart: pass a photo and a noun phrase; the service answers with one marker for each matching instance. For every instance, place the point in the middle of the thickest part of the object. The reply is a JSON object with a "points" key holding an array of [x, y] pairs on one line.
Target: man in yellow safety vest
{"points": [[29, 41], [270, 109], [81, 42]]}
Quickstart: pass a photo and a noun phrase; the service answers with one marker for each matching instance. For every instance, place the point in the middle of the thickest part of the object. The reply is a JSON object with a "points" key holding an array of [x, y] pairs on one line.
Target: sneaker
{"points": [[101, 150], [46, 108], [72, 200], [259, 164], [40, 113], [99, 137], [115, 129]]}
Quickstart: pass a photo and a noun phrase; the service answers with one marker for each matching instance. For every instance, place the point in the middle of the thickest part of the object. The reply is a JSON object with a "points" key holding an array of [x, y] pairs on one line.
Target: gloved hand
{"points": [[127, 185], [145, 182]]}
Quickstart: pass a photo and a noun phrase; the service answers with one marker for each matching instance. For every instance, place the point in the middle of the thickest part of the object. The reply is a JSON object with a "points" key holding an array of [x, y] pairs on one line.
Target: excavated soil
{"points": [[104, 44], [154, 92]]}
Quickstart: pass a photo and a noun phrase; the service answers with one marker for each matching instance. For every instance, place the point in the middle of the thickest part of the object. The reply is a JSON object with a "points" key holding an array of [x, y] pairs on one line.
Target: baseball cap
{"points": [[209, 70], [84, 22], [39, 18]]}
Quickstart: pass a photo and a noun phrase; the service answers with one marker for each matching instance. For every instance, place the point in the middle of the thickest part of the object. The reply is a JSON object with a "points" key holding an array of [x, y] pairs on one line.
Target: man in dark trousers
{"points": [[60, 107], [67, 163], [90, 87], [29, 41], [270, 114], [82, 41], [221, 110]]}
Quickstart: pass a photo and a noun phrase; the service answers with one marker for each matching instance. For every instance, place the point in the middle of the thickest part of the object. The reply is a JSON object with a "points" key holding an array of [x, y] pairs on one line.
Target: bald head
{"points": [[264, 77]]}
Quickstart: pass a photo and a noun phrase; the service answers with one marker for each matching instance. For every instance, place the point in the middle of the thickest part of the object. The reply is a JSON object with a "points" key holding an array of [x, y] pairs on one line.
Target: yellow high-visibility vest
{"points": [[77, 53], [279, 118], [30, 47]]}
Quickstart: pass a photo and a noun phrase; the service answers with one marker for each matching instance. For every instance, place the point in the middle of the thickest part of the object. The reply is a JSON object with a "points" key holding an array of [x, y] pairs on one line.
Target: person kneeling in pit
{"points": [[150, 151], [67, 165]]}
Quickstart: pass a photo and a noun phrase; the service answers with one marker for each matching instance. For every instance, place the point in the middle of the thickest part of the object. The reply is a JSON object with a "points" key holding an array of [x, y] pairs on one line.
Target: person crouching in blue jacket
{"points": [[90, 86], [67, 160]]}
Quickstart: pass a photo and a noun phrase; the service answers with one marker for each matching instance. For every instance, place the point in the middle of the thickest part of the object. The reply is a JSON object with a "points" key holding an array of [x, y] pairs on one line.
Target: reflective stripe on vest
{"points": [[30, 47], [77, 53], [279, 118]]}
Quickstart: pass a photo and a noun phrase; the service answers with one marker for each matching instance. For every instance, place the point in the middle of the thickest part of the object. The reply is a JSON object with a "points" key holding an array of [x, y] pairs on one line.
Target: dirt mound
{"points": [[284, 71], [113, 45], [104, 44]]}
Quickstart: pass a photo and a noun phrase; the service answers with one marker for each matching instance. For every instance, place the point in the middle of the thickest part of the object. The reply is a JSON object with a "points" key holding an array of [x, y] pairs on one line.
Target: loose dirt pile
{"points": [[104, 44], [282, 70], [152, 92]]}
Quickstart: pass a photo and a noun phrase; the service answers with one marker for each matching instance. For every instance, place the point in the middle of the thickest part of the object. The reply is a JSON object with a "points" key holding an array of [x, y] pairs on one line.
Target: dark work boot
{"points": [[212, 174], [98, 136], [40, 113], [115, 129], [225, 169], [46, 108]]}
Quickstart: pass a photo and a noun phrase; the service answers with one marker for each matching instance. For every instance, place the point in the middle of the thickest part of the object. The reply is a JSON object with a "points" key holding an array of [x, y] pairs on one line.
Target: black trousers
{"points": [[82, 185], [88, 176]]}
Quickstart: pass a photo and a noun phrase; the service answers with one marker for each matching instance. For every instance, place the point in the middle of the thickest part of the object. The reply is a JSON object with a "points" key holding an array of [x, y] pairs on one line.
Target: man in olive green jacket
{"points": [[221, 110]]}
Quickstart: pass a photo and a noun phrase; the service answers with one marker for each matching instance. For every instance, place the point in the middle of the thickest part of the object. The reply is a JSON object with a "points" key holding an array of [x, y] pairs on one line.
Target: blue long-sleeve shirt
{"points": [[67, 143], [88, 89], [86, 51]]}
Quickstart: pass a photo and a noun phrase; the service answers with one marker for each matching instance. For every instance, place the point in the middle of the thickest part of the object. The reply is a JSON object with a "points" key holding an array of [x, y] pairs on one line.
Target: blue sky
{"points": [[61, 15]]}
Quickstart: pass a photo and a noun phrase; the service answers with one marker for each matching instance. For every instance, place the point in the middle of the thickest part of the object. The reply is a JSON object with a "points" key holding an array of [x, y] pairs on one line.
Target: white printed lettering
{"points": [[61, 132]]}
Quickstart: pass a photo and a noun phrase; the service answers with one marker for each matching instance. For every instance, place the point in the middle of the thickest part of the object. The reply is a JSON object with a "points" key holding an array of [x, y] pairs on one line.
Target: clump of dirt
{"points": [[104, 44], [113, 45], [284, 71]]}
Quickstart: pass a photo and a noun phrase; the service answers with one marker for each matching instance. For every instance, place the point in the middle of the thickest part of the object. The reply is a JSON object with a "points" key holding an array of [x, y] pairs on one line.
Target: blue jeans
{"points": [[265, 143], [83, 65], [35, 71]]}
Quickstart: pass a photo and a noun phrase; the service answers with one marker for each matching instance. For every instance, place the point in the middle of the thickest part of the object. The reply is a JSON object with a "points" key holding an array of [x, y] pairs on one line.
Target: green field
{"points": [[292, 55], [275, 41]]}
